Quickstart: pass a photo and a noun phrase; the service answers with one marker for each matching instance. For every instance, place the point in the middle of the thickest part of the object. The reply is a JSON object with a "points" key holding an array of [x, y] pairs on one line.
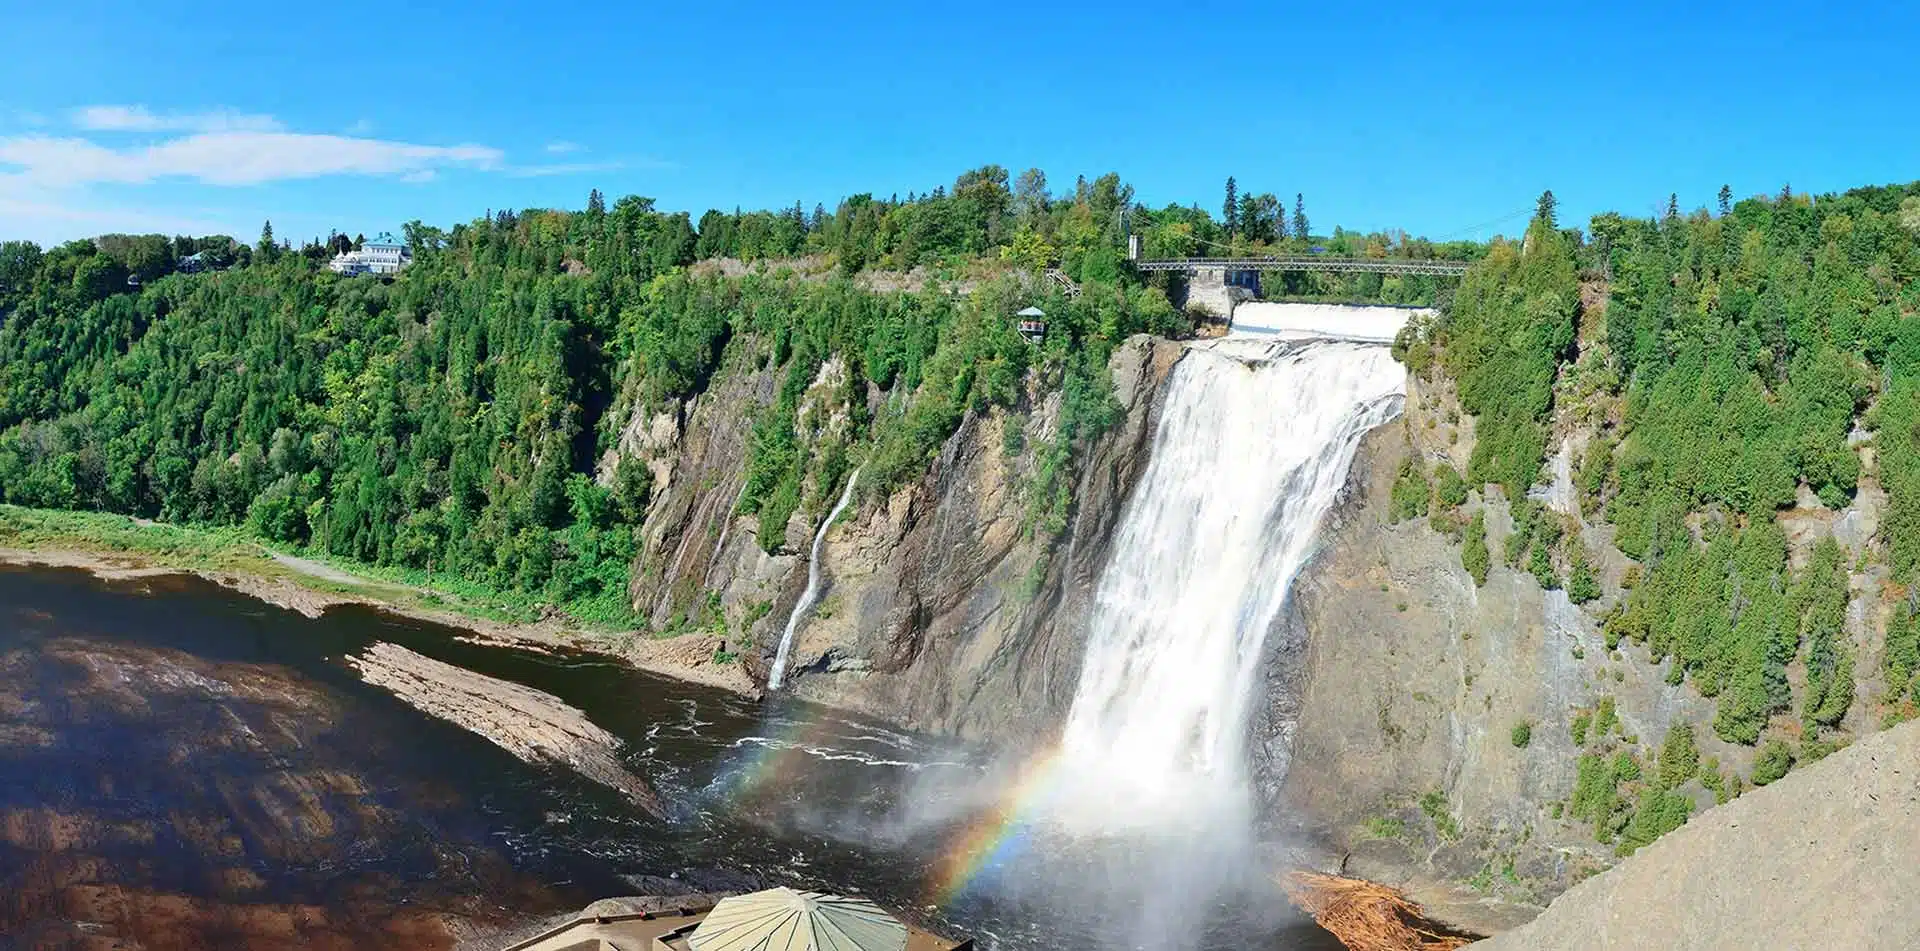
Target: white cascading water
{"points": [[1254, 441], [805, 604]]}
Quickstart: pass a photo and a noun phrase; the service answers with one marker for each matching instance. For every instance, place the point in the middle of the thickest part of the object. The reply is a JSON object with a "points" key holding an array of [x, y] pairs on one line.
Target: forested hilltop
{"points": [[455, 420], [1730, 400]]}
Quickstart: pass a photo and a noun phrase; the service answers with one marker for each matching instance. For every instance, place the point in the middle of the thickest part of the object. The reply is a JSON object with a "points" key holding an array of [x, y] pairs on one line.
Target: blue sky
{"points": [[211, 116]]}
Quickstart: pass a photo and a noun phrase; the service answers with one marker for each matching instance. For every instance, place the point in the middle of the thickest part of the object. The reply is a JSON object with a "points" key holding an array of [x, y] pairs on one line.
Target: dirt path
{"points": [[321, 570]]}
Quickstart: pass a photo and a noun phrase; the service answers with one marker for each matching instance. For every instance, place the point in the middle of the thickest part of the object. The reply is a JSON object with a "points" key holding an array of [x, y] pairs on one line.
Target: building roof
{"points": [[782, 919], [1031, 312], [384, 238]]}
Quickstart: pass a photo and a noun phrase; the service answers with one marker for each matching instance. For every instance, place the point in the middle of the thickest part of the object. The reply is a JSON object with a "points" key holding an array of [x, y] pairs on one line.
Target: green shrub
{"points": [[1434, 804], [1582, 586], [1657, 813], [1522, 734], [1412, 494], [1474, 556], [1605, 718], [1452, 489], [1540, 563], [1385, 827], [1774, 761], [1679, 757]]}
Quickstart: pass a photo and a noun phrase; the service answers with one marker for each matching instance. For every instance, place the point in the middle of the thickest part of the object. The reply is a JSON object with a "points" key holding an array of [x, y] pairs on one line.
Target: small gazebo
{"points": [[1033, 324], [782, 919]]}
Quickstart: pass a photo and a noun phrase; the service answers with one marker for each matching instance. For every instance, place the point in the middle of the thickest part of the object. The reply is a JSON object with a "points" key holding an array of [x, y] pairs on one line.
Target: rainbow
{"points": [[993, 838], [998, 835]]}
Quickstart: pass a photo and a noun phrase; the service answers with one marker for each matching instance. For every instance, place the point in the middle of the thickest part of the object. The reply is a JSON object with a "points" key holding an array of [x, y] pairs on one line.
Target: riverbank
{"points": [[118, 547]]}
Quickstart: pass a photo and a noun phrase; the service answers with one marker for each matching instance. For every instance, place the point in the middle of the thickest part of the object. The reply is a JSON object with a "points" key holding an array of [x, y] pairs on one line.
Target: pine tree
{"points": [[1726, 200], [1547, 209], [1300, 229], [1679, 757], [596, 203], [1673, 205], [1230, 213], [268, 249]]}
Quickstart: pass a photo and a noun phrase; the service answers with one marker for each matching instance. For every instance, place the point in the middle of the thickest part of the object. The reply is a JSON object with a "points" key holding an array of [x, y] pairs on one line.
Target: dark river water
{"points": [[182, 767]]}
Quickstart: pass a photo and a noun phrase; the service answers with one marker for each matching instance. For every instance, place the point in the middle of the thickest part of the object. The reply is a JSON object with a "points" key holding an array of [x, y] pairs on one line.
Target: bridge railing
{"points": [[1308, 262]]}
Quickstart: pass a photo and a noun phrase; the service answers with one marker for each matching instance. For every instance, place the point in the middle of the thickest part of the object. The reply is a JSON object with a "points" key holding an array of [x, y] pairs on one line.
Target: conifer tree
{"points": [[596, 203], [1230, 213], [1547, 209], [1300, 229], [1726, 200], [1679, 756]]}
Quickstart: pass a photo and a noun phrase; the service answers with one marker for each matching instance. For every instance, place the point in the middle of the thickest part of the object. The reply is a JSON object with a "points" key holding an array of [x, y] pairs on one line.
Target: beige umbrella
{"points": [[781, 919]]}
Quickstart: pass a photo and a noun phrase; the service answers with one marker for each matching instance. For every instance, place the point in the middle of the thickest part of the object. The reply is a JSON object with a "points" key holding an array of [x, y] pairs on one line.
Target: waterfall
{"points": [[812, 593], [1254, 440]]}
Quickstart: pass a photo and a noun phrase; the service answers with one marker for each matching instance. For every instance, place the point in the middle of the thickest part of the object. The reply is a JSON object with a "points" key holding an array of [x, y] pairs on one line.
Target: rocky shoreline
{"points": [[687, 658], [534, 726]]}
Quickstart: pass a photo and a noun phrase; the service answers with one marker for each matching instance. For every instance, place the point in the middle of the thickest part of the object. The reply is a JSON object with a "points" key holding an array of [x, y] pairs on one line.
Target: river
{"points": [[182, 767]]}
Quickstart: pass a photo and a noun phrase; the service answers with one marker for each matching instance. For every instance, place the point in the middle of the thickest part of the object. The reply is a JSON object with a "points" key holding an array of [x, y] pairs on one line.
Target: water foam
{"points": [[1253, 444]]}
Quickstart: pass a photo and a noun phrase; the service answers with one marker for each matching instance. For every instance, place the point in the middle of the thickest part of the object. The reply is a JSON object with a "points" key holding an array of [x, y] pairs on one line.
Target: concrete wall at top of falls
{"points": [[1324, 321]]}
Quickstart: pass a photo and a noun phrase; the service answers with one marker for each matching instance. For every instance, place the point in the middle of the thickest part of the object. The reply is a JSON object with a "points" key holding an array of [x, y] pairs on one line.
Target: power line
{"points": [[1509, 216]]}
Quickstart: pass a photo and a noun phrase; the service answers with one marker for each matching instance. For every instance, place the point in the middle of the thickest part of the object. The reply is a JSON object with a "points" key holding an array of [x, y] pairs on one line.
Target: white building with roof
{"points": [[382, 255]]}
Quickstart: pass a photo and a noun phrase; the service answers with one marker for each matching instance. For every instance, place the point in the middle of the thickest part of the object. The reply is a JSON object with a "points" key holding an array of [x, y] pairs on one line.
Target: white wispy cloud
{"points": [[232, 158], [140, 119], [61, 184], [39, 213]]}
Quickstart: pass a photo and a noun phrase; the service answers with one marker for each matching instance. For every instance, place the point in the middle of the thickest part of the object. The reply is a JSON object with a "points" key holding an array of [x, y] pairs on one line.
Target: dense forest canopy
{"points": [[1725, 369], [452, 419]]}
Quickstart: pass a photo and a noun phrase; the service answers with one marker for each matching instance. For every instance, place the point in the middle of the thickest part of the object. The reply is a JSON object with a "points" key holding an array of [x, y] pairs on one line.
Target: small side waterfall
{"points": [[1253, 444], [805, 604]]}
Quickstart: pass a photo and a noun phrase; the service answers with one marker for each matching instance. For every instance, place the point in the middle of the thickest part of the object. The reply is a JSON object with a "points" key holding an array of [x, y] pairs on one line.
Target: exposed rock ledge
{"points": [[1821, 859], [531, 725]]}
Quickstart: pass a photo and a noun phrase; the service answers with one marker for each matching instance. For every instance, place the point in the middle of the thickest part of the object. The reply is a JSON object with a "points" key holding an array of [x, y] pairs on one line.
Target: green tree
{"points": [[1412, 495], [1474, 556], [1229, 212], [1774, 761], [1582, 586], [1679, 757]]}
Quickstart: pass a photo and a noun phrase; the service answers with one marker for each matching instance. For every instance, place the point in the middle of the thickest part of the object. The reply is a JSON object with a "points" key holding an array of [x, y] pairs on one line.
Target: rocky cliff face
{"points": [[1822, 859], [1416, 724], [942, 609], [1408, 682]]}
